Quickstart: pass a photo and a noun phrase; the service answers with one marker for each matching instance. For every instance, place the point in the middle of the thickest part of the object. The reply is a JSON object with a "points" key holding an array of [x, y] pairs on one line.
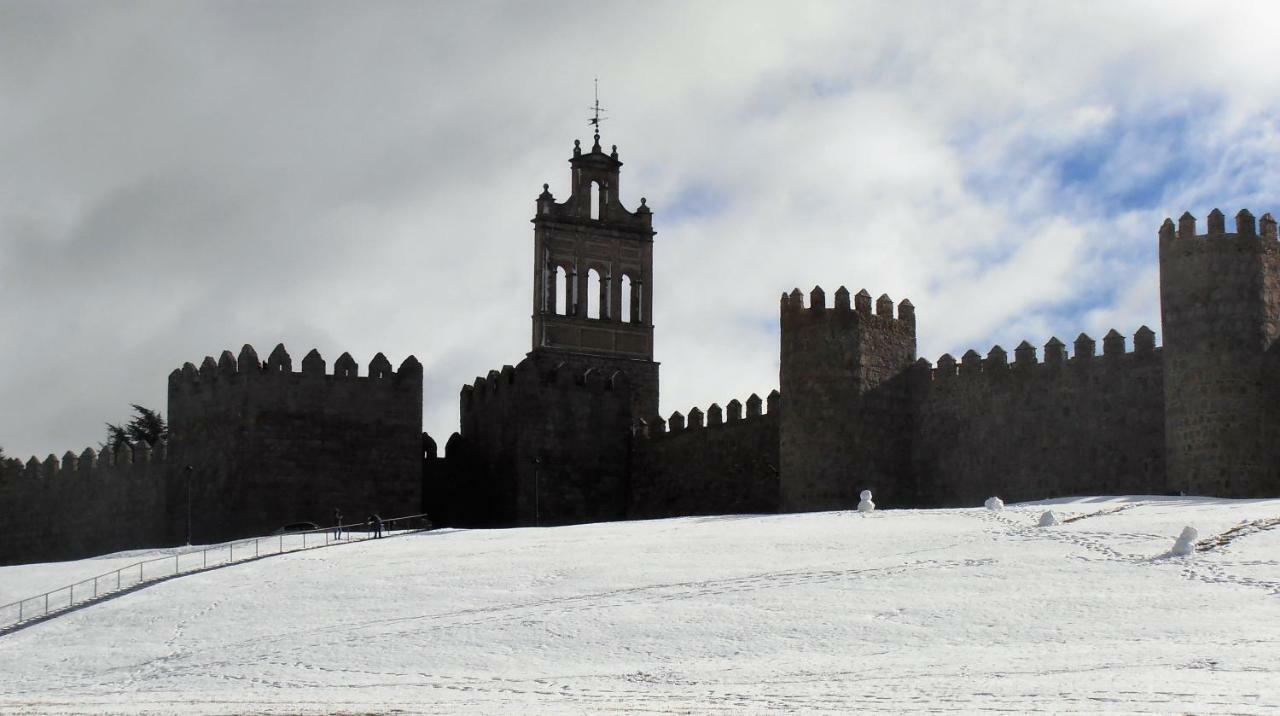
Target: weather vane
{"points": [[596, 119]]}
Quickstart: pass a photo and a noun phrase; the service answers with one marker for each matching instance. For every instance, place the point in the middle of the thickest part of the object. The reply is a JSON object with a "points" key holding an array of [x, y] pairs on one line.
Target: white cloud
{"points": [[189, 178]]}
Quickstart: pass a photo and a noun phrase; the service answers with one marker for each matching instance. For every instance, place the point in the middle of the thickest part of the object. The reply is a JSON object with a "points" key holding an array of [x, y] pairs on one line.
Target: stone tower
{"points": [[1220, 306], [593, 279], [846, 418]]}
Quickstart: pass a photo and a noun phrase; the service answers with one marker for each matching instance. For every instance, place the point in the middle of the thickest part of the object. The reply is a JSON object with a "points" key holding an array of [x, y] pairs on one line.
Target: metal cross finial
{"points": [[596, 119]]}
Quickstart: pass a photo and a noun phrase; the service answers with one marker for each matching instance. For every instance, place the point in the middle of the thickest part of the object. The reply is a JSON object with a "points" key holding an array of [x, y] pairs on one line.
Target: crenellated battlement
{"points": [[91, 463], [714, 417], [793, 307], [996, 363], [1246, 227], [246, 366], [525, 374]]}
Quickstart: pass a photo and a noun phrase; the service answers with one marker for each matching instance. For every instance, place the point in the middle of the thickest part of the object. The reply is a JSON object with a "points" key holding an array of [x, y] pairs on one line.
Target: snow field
{"points": [[937, 610]]}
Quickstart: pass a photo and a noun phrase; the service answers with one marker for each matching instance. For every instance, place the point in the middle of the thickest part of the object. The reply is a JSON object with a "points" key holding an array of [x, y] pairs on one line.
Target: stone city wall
{"points": [[720, 462]]}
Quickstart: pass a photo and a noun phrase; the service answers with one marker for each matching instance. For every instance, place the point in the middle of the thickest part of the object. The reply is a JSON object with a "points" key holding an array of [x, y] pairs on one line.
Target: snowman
{"points": [[866, 505], [1186, 543]]}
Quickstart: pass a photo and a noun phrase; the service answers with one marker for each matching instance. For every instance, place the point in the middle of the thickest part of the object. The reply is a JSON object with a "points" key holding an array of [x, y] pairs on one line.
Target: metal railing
{"points": [[194, 560]]}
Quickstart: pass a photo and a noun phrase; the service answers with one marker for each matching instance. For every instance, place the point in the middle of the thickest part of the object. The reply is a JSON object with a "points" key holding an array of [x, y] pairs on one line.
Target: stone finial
{"points": [[409, 368], [313, 364], [379, 367], [696, 418], [773, 401], [1186, 226], [997, 357], [842, 299], [1217, 223], [1167, 232], [227, 364], [735, 410], [208, 368], [970, 363], [1245, 224], [644, 207], [247, 361], [946, 366], [577, 148], [862, 302], [715, 416], [906, 311], [1084, 347], [884, 306], [613, 153], [1144, 340], [546, 193], [1055, 352], [345, 367], [676, 422], [279, 360], [1113, 343], [753, 406], [817, 298], [1024, 356], [1267, 224], [797, 299]]}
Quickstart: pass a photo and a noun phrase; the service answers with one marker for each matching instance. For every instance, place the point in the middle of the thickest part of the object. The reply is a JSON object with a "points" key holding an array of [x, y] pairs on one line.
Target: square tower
{"points": [[593, 279]]}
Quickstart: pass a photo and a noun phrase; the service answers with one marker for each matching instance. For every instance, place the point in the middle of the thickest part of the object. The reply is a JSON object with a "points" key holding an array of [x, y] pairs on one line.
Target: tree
{"points": [[147, 426], [117, 437]]}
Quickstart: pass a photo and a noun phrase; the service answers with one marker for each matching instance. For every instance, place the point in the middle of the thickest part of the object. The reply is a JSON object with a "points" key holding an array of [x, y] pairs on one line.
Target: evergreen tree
{"points": [[116, 438], [147, 426]]}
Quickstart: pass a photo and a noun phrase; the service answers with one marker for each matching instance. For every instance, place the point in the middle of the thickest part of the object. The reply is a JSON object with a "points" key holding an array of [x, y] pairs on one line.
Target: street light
{"points": [[188, 469], [537, 508]]}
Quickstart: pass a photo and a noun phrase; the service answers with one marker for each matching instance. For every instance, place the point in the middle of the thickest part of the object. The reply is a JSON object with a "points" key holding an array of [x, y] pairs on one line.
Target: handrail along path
{"points": [[32, 610]]}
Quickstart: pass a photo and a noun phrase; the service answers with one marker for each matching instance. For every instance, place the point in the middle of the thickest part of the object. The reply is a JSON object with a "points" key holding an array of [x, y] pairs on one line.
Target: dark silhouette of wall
{"points": [[544, 448], [269, 446], [711, 464], [83, 504], [1087, 425]]}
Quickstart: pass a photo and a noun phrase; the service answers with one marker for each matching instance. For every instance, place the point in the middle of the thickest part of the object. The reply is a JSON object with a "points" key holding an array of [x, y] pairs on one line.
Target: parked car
{"points": [[296, 527]]}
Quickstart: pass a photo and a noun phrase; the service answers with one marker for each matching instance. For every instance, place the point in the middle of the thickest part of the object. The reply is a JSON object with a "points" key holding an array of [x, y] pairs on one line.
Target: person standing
{"points": [[377, 525], [337, 523]]}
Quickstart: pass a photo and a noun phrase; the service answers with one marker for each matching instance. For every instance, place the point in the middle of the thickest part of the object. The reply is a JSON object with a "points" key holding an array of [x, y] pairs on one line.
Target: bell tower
{"points": [[593, 279]]}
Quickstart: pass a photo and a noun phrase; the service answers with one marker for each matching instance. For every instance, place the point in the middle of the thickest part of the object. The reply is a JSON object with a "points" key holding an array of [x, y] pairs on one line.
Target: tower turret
{"points": [[593, 278], [1220, 307]]}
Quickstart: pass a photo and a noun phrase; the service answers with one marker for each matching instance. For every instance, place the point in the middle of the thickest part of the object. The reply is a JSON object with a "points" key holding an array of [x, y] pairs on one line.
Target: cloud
{"points": [[183, 179]]}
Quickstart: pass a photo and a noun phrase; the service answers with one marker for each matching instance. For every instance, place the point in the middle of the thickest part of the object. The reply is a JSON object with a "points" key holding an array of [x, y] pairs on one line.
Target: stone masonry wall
{"points": [[1220, 308], [83, 505], [545, 448], [269, 446], [715, 463], [1090, 425], [847, 424]]}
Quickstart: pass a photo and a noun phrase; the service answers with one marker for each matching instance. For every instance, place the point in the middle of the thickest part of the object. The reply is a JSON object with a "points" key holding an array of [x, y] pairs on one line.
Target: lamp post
{"points": [[188, 469], [537, 507]]}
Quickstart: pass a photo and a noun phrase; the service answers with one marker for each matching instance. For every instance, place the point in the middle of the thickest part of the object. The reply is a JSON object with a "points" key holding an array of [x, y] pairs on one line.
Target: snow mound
{"points": [[1186, 543], [994, 504], [1048, 519]]}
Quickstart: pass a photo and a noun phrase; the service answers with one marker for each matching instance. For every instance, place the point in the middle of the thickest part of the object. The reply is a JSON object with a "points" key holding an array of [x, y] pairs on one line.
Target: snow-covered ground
{"points": [[939, 610]]}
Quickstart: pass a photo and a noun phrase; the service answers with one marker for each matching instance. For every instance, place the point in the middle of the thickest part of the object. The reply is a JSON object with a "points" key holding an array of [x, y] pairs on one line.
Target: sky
{"points": [[178, 179]]}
